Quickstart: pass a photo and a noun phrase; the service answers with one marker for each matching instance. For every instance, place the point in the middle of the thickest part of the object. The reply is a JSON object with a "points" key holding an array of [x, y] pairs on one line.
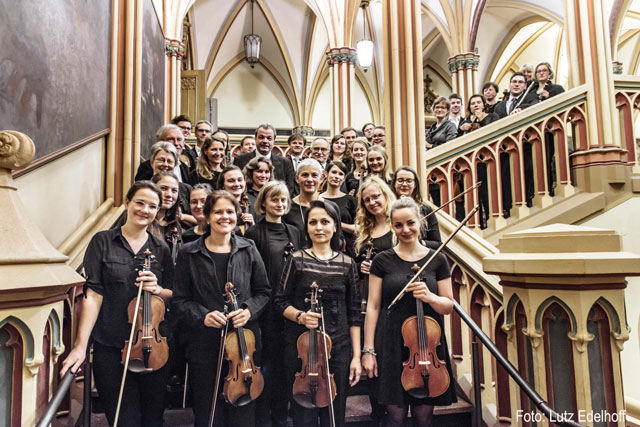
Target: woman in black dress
{"points": [[275, 242], [232, 180], [336, 174], [111, 264], [335, 274], [197, 198], [340, 151], [168, 224], [359, 151], [406, 184], [210, 162], [477, 117], [204, 267], [390, 272], [257, 173]]}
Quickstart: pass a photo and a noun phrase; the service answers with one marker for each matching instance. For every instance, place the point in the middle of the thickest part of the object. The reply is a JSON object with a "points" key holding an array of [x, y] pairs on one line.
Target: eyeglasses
{"points": [[378, 135], [142, 205], [203, 130], [185, 128], [319, 149], [405, 181]]}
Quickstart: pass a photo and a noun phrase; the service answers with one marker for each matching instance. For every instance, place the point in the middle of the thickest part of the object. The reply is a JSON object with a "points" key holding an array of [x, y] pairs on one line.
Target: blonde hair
{"points": [[203, 168], [405, 202], [386, 173], [364, 220], [272, 189]]}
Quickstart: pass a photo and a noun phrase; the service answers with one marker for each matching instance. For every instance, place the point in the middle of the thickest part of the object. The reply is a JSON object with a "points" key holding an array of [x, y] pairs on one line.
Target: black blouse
{"points": [[340, 300], [111, 268]]}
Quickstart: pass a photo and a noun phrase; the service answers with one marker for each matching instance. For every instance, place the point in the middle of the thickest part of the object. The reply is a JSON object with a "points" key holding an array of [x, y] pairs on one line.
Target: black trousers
{"points": [[202, 380], [143, 396], [272, 405], [339, 367]]}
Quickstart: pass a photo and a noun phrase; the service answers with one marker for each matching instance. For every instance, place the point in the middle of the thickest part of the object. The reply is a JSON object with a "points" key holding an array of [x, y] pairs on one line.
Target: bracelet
{"points": [[370, 351], [298, 316]]}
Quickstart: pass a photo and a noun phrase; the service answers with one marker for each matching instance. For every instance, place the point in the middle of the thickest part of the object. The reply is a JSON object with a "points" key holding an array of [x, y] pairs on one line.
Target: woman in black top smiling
{"points": [[203, 269], [111, 264]]}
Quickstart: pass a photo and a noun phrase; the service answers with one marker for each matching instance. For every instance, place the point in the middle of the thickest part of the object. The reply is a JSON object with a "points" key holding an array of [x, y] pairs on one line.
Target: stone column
{"points": [[464, 69], [174, 49], [569, 283], [341, 61], [404, 87], [602, 162]]}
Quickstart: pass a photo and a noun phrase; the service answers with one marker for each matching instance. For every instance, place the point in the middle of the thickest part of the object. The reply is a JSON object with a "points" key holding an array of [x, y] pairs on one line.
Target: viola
{"points": [[364, 290], [314, 386], [423, 374], [244, 382], [149, 350]]}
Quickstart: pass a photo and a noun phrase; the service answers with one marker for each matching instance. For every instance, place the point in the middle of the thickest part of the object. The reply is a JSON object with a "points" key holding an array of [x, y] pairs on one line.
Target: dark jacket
{"points": [[282, 168], [258, 233], [501, 107], [552, 88], [145, 171], [195, 293], [491, 117], [438, 135], [431, 233]]}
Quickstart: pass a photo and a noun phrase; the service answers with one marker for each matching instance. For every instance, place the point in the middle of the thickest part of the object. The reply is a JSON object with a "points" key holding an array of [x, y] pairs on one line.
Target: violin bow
{"points": [[332, 418], [476, 185], [214, 400], [419, 272], [126, 360]]}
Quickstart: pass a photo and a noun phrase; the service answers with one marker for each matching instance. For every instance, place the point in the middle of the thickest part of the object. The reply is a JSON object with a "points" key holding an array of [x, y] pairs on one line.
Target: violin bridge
{"points": [[424, 363], [147, 338], [313, 374]]}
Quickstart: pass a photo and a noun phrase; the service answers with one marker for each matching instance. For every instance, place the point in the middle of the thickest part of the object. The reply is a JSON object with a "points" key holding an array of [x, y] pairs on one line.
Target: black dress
{"points": [[395, 274], [347, 205]]}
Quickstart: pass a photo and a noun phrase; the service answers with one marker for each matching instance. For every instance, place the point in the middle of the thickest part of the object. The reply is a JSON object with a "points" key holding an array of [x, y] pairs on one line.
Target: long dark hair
{"points": [[336, 239]]}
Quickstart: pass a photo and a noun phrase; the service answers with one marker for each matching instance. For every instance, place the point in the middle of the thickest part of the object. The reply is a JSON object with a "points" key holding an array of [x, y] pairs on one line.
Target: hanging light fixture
{"points": [[252, 44], [364, 48]]}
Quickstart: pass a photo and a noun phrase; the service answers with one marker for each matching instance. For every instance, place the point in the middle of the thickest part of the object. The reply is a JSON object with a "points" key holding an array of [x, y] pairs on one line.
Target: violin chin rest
{"points": [[418, 393], [242, 400], [304, 400]]}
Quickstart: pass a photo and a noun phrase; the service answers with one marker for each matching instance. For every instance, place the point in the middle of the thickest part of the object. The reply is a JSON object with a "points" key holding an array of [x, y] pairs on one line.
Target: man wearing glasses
{"points": [[320, 151], [517, 100], [379, 136], [203, 130]]}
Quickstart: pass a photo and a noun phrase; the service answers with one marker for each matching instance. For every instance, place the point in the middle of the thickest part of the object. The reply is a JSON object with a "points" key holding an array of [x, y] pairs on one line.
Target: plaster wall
{"points": [[623, 221], [247, 97], [360, 109], [321, 117], [60, 195]]}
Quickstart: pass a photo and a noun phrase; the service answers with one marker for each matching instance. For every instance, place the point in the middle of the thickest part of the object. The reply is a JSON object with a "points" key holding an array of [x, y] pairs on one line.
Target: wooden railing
{"points": [[529, 150]]}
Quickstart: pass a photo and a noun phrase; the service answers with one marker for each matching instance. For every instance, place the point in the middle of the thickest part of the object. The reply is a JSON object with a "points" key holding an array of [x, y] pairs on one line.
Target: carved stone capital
{"points": [[581, 340], [621, 337], [341, 54], [617, 67], [535, 336], [16, 150], [464, 61], [303, 130], [174, 47]]}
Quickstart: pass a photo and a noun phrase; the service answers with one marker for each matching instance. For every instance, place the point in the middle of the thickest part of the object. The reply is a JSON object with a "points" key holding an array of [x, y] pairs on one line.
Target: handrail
{"points": [[54, 403], [540, 403]]}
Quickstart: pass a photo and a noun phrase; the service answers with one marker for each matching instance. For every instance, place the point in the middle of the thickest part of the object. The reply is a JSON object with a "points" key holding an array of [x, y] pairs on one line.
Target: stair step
{"points": [[569, 210]]}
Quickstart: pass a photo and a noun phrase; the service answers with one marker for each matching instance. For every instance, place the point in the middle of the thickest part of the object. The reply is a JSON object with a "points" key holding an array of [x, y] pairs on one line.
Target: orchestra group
{"points": [[278, 282]]}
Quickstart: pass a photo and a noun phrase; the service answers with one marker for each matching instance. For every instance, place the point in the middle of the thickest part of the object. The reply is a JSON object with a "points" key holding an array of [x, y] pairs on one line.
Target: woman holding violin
{"points": [[112, 265], [204, 268], [335, 275], [390, 272], [477, 117]]}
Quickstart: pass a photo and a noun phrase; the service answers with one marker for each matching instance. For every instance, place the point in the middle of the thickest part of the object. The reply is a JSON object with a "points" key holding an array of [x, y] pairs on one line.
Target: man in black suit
{"points": [[515, 102], [265, 140]]}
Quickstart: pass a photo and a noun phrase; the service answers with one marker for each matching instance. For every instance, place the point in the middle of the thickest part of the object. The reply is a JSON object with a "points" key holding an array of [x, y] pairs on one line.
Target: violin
{"points": [[148, 349], [244, 382], [423, 374], [314, 386], [244, 205], [364, 290]]}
